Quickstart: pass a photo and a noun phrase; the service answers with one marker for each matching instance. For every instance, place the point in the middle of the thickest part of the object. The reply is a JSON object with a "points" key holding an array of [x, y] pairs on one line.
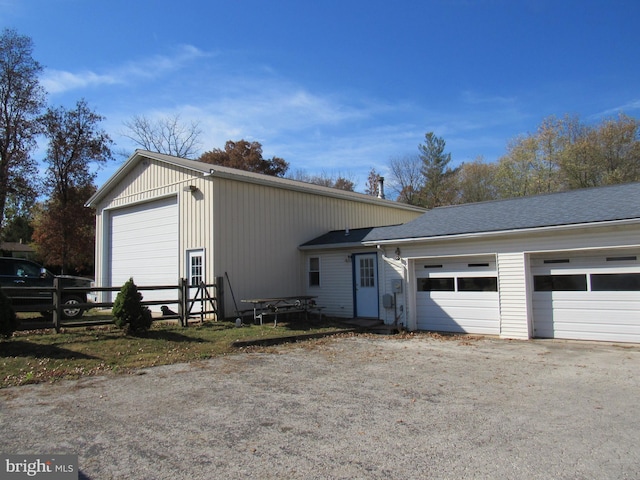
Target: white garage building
{"points": [[161, 218], [563, 265]]}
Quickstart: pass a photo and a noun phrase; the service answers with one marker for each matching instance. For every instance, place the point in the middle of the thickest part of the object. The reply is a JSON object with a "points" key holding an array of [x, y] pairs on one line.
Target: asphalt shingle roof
{"points": [[601, 204]]}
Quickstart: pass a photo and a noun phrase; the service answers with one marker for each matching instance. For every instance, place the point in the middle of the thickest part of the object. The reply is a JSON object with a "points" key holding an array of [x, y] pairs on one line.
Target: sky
{"points": [[338, 87]]}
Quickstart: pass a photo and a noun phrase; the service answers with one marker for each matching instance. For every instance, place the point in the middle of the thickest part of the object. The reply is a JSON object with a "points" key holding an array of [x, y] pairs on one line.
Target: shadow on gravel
{"points": [[20, 348]]}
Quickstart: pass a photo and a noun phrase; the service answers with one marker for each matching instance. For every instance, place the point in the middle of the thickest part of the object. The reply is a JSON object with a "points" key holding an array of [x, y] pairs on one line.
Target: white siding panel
{"points": [[512, 287]]}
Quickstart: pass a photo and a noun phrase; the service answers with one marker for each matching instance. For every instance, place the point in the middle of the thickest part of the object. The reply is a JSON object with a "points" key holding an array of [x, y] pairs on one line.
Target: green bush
{"points": [[128, 311], [8, 320]]}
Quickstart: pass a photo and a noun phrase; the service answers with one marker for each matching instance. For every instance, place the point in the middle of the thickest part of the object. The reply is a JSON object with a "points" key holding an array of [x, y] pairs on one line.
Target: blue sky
{"points": [[339, 86]]}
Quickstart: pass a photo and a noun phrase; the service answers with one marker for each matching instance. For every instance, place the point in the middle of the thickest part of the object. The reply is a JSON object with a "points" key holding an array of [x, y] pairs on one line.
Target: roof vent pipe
{"points": [[380, 187]]}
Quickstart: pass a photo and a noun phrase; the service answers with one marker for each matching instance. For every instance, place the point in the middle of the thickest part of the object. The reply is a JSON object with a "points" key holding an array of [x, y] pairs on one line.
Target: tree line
{"points": [[562, 154]]}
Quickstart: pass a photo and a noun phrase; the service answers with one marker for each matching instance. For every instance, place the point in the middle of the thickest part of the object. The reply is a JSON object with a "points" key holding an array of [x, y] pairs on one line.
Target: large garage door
{"points": [[455, 295], [589, 297], [144, 245]]}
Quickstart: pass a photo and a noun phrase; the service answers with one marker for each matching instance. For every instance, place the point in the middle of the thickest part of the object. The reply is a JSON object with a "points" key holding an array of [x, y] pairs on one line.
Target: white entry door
{"points": [[366, 285]]}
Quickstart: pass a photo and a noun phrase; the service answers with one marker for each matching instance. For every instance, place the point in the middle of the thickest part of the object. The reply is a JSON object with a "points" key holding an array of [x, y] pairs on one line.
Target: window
{"points": [[557, 260], [478, 284], [560, 283], [197, 269], [631, 258], [435, 285], [476, 265], [314, 271], [615, 282], [367, 272]]}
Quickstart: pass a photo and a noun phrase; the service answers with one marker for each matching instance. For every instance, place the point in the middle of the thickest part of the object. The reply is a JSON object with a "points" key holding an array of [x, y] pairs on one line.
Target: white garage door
{"points": [[594, 297], [144, 246], [455, 295]]}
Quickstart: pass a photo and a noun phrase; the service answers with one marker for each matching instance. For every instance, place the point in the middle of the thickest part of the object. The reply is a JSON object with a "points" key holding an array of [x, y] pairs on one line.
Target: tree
{"points": [[373, 183], [332, 181], [166, 135], [437, 189], [64, 233], [245, 155], [128, 311], [406, 178], [476, 182], [21, 101], [75, 144]]}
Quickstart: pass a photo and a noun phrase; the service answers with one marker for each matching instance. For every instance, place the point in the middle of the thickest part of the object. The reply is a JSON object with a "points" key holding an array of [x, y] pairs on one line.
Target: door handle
{"points": [[19, 282]]}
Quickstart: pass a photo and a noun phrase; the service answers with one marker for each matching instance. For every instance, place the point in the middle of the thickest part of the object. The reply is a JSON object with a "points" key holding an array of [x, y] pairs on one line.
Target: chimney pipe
{"points": [[380, 187]]}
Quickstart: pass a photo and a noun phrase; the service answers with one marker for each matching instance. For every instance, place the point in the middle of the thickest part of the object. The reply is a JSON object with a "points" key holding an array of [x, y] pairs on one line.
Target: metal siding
{"points": [[258, 229]]}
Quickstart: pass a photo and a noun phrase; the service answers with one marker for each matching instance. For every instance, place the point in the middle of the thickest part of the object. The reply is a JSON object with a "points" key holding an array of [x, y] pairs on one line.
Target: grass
{"points": [[36, 356]]}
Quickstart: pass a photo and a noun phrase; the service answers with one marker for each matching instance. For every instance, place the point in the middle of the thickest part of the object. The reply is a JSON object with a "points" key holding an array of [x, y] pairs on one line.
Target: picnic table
{"points": [[263, 307]]}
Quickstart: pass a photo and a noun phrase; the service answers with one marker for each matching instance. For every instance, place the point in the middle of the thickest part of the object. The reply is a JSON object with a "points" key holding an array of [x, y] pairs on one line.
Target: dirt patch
{"points": [[356, 406]]}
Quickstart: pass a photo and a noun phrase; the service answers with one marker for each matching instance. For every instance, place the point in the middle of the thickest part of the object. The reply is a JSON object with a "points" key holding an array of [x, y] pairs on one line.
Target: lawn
{"points": [[35, 356]]}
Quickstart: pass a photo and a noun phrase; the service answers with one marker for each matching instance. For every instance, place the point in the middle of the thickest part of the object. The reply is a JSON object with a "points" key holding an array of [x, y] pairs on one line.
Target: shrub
{"points": [[128, 311], [8, 320]]}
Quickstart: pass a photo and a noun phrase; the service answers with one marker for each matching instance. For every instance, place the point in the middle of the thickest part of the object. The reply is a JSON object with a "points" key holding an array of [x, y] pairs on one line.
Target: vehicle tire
{"points": [[68, 309]]}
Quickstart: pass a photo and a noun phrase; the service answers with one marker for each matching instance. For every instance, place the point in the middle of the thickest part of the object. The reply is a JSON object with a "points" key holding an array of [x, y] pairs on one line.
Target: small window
{"points": [[433, 266], [478, 284], [472, 265], [560, 283], [435, 285], [615, 282], [631, 258], [558, 260], [314, 271]]}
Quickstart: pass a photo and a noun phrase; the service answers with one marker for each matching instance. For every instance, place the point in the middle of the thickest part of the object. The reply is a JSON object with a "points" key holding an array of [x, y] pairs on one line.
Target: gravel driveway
{"points": [[344, 408]]}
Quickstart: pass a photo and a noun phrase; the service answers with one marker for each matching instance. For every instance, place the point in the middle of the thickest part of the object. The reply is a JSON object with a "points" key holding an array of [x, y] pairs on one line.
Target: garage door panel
{"points": [[144, 246], [458, 312]]}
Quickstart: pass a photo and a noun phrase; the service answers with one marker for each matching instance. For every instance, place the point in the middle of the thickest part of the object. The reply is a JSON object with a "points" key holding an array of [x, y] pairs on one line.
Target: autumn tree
{"points": [[437, 189], [63, 232], [476, 182], [21, 101], [245, 155], [168, 135], [564, 153]]}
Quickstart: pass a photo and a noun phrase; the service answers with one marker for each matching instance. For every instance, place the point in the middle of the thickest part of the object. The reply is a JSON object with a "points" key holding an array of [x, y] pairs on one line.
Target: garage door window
{"points": [[436, 285], [560, 283], [477, 284], [616, 282]]}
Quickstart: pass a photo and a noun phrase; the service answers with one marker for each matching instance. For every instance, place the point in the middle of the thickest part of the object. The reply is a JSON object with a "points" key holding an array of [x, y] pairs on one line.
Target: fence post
{"points": [[220, 298], [57, 303], [183, 297]]}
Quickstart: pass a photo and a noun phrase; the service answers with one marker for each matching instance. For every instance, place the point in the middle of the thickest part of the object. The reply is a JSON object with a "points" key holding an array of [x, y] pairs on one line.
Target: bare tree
{"points": [[326, 180], [373, 183], [166, 135], [406, 178]]}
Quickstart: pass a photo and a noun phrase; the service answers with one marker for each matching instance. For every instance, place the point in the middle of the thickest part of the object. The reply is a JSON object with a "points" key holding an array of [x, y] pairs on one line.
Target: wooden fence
{"points": [[207, 299]]}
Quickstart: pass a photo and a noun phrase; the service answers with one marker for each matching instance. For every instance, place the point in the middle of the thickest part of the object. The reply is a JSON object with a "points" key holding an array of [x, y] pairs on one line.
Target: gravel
{"points": [[368, 407]]}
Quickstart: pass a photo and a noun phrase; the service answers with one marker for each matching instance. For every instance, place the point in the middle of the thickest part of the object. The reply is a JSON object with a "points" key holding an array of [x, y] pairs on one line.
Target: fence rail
{"points": [[210, 304]]}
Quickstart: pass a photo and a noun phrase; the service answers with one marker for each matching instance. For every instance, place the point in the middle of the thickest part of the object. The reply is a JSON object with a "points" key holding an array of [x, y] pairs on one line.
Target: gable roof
{"points": [[207, 169], [575, 207]]}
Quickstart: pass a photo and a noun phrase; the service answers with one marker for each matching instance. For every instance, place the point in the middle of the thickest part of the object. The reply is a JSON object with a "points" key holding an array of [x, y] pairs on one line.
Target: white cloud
{"points": [[59, 81]]}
